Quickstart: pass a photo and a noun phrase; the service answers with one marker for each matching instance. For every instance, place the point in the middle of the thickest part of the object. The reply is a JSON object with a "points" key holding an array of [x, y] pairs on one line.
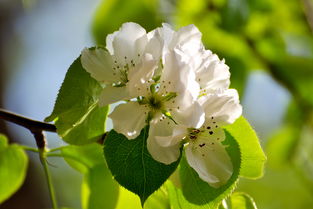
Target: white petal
{"points": [[154, 45], [129, 41], [110, 95], [98, 62], [138, 77], [179, 132], [166, 34], [178, 76], [109, 42], [190, 112], [224, 106], [213, 73], [208, 157], [129, 119], [161, 143], [187, 35]]}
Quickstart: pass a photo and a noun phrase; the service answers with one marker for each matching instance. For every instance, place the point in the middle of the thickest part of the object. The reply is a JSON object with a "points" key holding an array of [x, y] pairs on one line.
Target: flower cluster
{"points": [[169, 81]]}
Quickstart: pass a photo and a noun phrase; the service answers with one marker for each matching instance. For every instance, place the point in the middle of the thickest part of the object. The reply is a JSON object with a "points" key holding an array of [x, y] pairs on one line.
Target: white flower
{"points": [[204, 151], [164, 102], [184, 98], [132, 55], [211, 72]]}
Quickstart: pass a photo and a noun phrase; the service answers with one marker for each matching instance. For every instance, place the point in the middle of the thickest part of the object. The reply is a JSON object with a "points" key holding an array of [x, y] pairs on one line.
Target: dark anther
{"points": [[201, 145]]}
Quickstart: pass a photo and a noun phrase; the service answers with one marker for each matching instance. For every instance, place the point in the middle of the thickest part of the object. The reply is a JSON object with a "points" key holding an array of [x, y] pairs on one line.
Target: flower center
{"points": [[155, 102]]}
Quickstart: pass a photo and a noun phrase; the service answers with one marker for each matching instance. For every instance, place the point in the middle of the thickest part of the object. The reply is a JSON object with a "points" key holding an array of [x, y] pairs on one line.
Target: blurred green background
{"points": [[268, 45]]}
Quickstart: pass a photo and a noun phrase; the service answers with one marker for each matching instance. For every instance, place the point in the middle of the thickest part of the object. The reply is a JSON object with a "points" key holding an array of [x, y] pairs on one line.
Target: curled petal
{"points": [[154, 45], [129, 119], [208, 157], [187, 34], [109, 42], [212, 73], [98, 63], [128, 42], [223, 106]]}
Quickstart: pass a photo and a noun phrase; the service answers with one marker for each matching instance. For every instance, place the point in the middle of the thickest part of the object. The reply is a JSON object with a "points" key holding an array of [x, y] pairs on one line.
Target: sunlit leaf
{"points": [[77, 116], [281, 146], [99, 190], [82, 158], [13, 167], [252, 155], [132, 165], [157, 200], [3, 142], [240, 200]]}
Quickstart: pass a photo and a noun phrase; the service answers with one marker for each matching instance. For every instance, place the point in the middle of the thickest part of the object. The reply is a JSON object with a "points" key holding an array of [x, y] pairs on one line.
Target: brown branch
{"points": [[32, 125], [36, 127], [308, 11]]}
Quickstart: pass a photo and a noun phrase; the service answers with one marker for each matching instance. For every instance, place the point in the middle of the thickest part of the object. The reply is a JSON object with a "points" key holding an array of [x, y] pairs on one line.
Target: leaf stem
{"points": [[49, 181], [67, 156], [36, 128], [29, 148], [56, 149]]}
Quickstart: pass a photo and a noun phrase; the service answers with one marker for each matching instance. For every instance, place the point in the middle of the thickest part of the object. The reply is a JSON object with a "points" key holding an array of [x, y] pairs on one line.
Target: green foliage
{"points": [[132, 165], [178, 200], [3, 142], [240, 200], [82, 158], [113, 13], [13, 167], [157, 200], [281, 146], [99, 190], [196, 193], [252, 155], [77, 116]]}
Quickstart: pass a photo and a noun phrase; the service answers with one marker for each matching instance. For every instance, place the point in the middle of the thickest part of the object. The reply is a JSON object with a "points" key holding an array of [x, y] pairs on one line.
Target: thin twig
{"points": [[308, 11], [28, 123], [50, 184], [37, 128]]}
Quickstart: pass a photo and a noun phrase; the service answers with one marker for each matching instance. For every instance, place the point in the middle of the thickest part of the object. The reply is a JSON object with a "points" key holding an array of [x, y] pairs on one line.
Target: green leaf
{"points": [[178, 200], [82, 158], [252, 155], [3, 141], [13, 167], [99, 190], [240, 200], [132, 165], [198, 192], [78, 118], [111, 14], [282, 146], [159, 199]]}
